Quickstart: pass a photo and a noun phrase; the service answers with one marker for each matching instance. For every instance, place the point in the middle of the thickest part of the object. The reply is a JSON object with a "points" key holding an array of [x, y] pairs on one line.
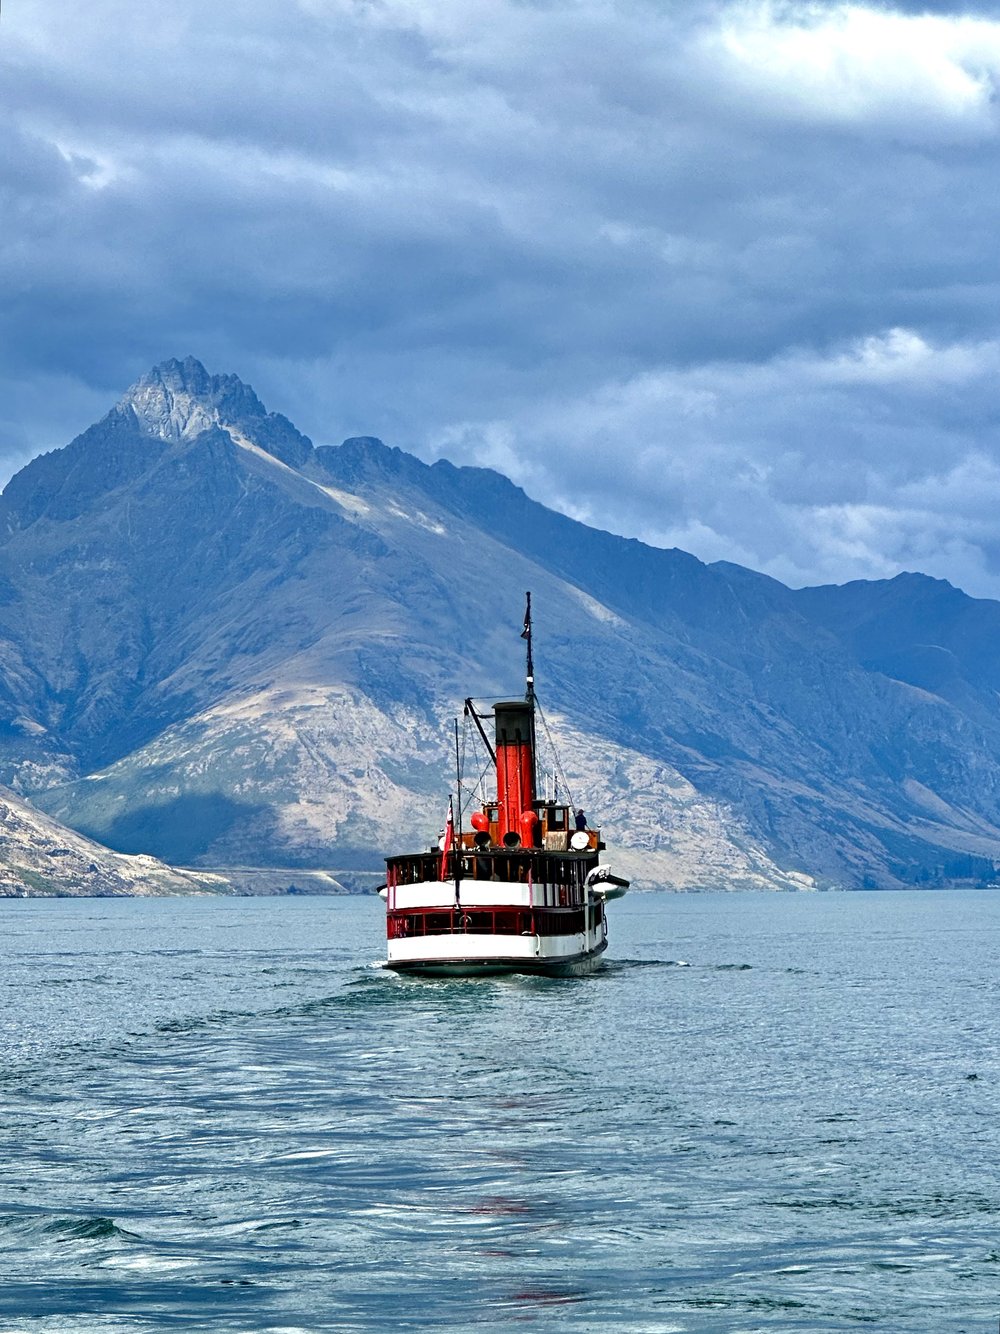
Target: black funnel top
{"points": [[513, 723]]}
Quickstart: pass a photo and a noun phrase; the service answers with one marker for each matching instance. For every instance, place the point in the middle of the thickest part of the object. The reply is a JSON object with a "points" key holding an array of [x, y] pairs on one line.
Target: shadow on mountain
{"points": [[183, 829]]}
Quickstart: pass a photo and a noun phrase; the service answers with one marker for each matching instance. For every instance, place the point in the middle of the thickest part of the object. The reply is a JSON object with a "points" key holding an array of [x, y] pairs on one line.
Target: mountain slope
{"points": [[223, 645], [41, 858]]}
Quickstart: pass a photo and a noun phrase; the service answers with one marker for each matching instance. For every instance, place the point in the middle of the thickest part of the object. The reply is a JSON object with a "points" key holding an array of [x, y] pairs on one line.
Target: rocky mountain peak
{"points": [[173, 403], [177, 400]]}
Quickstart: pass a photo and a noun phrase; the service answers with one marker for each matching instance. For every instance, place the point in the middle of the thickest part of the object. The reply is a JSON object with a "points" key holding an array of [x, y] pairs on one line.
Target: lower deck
{"points": [[496, 920]]}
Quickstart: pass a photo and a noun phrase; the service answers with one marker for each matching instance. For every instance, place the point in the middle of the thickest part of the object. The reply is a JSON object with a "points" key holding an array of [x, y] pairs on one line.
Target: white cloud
{"points": [[880, 456], [850, 63], [902, 356]]}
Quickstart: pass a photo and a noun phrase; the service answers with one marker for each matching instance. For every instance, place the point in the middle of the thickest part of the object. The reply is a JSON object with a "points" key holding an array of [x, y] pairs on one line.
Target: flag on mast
{"points": [[448, 840]]}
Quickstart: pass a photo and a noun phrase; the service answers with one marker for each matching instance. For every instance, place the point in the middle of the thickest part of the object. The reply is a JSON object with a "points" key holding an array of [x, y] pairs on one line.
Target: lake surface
{"points": [[767, 1113]]}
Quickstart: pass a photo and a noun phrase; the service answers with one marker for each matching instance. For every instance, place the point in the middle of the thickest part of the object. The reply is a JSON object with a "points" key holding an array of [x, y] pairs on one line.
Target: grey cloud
{"points": [[523, 233]]}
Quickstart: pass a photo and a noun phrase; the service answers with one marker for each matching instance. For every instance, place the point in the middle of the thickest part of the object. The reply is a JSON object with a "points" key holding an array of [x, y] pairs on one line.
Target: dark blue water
{"points": [[767, 1113]]}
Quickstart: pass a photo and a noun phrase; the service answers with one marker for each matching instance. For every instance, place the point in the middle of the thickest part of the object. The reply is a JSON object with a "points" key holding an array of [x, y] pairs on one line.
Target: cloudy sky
{"points": [[718, 275]]}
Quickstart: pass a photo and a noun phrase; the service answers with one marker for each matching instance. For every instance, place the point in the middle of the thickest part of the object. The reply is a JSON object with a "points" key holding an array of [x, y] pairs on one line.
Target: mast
{"points": [[457, 855], [529, 691]]}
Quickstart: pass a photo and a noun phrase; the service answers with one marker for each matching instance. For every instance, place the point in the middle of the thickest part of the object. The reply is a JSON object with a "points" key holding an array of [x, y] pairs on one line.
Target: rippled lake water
{"points": [[766, 1113]]}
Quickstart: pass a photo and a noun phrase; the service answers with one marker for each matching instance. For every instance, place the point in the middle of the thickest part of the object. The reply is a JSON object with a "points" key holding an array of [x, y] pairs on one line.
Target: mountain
{"points": [[223, 645]]}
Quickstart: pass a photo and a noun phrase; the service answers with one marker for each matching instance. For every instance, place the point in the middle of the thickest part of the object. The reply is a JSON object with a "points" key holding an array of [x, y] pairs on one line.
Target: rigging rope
{"points": [[560, 776], [478, 761], [461, 772]]}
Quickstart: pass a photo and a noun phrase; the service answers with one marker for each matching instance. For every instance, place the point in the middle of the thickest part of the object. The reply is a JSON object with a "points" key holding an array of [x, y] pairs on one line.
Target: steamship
{"points": [[522, 891]]}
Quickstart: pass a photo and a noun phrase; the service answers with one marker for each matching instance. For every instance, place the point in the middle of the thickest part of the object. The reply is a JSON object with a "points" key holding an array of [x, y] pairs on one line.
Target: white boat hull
{"points": [[543, 965]]}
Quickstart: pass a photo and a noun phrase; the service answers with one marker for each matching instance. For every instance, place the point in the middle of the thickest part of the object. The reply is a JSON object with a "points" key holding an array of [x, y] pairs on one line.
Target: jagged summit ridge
{"points": [[178, 400]]}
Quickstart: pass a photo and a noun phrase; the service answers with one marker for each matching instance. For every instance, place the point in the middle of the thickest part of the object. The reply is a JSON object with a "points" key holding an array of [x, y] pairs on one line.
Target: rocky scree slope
{"points": [[40, 858]]}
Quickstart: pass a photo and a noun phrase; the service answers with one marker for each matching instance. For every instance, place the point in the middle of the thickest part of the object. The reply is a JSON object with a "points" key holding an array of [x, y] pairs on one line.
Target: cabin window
{"points": [[559, 923]]}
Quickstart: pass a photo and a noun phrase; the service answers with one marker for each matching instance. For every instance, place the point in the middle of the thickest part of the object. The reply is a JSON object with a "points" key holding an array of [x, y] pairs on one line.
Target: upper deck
{"points": [[552, 854], [521, 867]]}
